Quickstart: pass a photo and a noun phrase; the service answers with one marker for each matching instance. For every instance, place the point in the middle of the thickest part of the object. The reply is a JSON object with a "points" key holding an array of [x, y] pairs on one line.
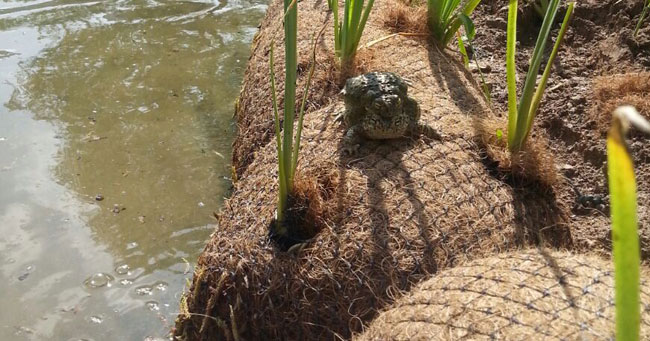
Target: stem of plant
{"points": [[291, 66], [625, 237], [539, 93], [511, 70]]}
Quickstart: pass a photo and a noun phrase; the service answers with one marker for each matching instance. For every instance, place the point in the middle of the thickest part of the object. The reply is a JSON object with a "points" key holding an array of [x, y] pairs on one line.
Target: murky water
{"points": [[115, 127]]}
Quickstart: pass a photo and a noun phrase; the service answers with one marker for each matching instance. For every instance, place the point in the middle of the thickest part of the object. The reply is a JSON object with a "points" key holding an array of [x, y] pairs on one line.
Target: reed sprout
{"points": [[522, 114], [446, 16], [644, 13], [347, 33], [288, 143], [464, 53], [622, 190]]}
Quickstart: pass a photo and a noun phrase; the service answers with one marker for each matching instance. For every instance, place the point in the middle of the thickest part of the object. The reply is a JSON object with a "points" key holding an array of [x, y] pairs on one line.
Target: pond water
{"points": [[115, 132]]}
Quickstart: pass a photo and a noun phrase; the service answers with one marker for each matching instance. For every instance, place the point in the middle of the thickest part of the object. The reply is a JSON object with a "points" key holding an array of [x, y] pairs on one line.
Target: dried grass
{"points": [[533, 163], [400, 17], [611, 92], [527, 295]]}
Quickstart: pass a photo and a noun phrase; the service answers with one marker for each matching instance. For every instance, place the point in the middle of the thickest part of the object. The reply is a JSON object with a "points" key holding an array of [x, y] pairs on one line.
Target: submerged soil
{"points": [[405, 209], [600, 65]]}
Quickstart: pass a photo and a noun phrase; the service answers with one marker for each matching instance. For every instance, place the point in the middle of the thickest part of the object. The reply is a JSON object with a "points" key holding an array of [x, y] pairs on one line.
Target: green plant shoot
{"points": [[644, 13], [347, 34], [463, 50], [622, 190], [465, 55], [522, 114], [288, 145], [446, 16]]}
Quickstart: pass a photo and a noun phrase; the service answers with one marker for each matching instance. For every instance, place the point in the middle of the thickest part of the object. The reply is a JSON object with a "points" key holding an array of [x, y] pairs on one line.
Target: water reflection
{"points": [[126, 161]]}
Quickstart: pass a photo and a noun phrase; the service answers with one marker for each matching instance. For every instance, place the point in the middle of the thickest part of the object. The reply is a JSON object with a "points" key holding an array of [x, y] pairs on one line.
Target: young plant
{"points": [[644, 13], [463, 51], [288, 145], [446, 16], [522, 114], [622, 191], [347, 34]]}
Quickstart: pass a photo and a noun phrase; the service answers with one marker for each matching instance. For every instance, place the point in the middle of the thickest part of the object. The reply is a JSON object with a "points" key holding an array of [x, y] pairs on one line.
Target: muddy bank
{"points": [[391, 216]]}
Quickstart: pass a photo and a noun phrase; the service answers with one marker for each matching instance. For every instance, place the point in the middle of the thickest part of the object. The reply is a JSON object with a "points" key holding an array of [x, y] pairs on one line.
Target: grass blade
{"points": [[362, 25], [348, 33], [511, 71], [301, 116], [434, 9], [462, 49], [644, 13], [531, 77], [345, 30], [622, 189], [291, 65], [455, 24], [337, 28], [282, 191], [539, 93]]}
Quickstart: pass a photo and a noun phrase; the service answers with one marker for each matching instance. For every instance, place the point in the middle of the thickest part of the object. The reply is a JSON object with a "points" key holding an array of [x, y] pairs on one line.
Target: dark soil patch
{"points": [[598, 43], [305, 215]]}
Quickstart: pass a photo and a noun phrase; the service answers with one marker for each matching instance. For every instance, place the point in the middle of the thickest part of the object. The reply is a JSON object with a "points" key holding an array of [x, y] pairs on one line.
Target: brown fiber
{"points": [[400, 17], [392, 215], [533, 163], [613, 91], [527, 295]]}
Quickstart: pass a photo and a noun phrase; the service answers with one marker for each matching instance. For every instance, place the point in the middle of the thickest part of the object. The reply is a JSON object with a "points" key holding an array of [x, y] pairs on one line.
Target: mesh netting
{"points": [[528, 295], [388, 217], [395, 213]]}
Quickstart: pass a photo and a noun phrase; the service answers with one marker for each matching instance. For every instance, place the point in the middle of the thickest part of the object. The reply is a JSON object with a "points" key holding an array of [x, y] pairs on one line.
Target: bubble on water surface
{"points": [[96, 319], [144, 290], [160, 285], [153, 305], [126, 282], [131, 245], [123, 269], [98, 280], [25, 274]]}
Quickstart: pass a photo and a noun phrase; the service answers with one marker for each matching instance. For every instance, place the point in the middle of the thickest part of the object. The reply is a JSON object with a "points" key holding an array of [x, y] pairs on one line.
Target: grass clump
{"points": [[347, 33], [622, 189], [288, 143], [446, 16], [522, 114]]}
